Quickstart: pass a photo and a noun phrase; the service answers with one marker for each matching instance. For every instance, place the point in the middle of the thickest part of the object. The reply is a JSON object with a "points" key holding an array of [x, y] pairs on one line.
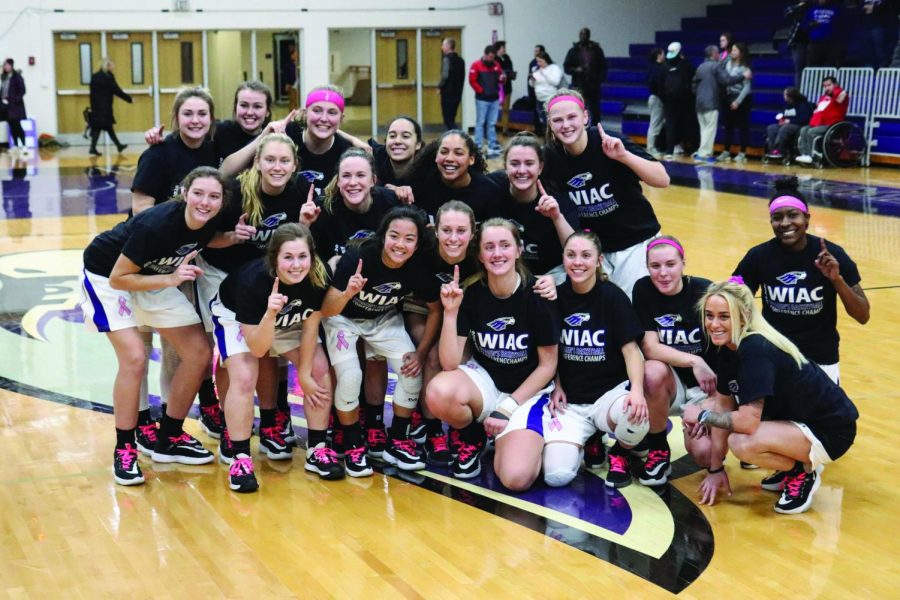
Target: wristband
{"points": [[714, 471], [701, 418], [499, 415], [507, 406]]}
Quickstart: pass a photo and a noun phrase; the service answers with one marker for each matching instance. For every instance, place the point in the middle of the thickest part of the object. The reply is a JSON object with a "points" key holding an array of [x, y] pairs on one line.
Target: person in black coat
{"points": [[12, 93], [103, 88], [586, 63], [453, 77]]}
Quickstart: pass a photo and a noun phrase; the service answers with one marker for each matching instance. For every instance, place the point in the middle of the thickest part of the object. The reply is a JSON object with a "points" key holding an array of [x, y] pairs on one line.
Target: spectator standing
{"points": [[103, 88], [486, 78], [655, 76], [586, 63], [738, 101], [726, 41], [782, 135], [874, 32], [12, 96], [289, 78], [677, 99], [830, 109], [507, 65], [798, 38], [453, 75], [532, 67], [547, 79], [825, 48], [705, 86]]}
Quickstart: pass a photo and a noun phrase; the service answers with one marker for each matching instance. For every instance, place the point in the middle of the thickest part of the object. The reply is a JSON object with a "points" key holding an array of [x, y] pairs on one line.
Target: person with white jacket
{"points": [[546, 80]]}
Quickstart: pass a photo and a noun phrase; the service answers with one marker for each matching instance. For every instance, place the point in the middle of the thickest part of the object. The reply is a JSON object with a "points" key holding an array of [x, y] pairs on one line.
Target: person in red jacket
{"points": [[486, 78], [830, 109]]}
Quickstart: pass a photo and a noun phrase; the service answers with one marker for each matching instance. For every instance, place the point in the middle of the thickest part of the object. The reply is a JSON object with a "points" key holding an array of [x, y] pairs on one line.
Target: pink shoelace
{"points": [[795, 484], [241, 466], [325, 455], [356, 454], [213, 412], [466, 451], [439, 443], [184, 438], [149, 430], [407, 445], [127, 455], [654, 457], [617, 463], [273, 433], [377, 435]]}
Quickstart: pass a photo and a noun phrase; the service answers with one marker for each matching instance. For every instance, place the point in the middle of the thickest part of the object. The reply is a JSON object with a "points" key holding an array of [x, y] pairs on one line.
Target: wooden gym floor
{"points": [[68, 531]]}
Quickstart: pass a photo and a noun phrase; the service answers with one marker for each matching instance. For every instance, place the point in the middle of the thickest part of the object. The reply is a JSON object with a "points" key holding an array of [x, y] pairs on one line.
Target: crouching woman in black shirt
{"points": [[791, 417], [130, 279]]}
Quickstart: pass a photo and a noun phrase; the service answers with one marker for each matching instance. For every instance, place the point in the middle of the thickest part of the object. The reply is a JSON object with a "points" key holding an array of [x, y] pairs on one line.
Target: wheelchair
{"points": [[842, 145]]}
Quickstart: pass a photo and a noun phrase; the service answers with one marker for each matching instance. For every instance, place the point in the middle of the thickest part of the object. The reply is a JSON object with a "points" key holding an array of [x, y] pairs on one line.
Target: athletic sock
{"points": [[657, 441], [240, 447], [374, 415], [315, 437], [208, 393], [267, 417], [170, 428], [353, 435], [124, 436], [281, 401], [433, 427], [400, 427], [144, 417], [618, 450], [473, 433]]}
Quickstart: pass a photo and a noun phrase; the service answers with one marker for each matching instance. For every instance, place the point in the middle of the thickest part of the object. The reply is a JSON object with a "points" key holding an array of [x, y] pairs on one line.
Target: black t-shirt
{"points": [[440, 271], [505, 333], [675, 319], [246, 292], [481, 195], [162, 167], [384, 168], [595, 327], [542, 249], [230, 138], [277, 210], [607, 193], [385, 286], [798, 300], [317, 169], [157, 240], [805, 394], [335, 230]]}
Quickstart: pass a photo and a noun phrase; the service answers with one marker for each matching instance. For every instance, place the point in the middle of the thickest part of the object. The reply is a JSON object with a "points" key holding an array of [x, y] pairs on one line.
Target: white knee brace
{"points": [[629, 434], [561, 463], [346, 390], [406, 392]]}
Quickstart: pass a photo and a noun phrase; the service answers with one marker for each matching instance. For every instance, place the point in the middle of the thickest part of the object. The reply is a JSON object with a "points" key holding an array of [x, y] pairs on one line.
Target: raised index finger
{"points": [[161, 127], [243, 219], [312, 191], [456, 274], [600, 129], [291, 116], [275, 286], [822, 243], [359, 267], [540, 187]]}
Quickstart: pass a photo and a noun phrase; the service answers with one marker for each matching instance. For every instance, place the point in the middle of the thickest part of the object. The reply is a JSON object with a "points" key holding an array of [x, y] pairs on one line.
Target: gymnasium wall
{"points": [[27, 32]]}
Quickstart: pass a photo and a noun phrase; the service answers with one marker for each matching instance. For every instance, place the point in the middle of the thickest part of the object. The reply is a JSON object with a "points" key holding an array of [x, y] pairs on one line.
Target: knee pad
{"points": [[346, 391], [629, 434], [406, 392], [561, 462]]}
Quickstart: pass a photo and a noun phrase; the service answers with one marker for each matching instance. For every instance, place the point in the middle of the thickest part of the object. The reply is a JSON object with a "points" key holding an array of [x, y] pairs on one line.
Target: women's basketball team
{"points": [[537, 308]]}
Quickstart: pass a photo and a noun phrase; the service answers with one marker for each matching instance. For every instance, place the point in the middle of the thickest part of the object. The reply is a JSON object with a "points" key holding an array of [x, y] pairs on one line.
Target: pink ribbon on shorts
{"points": [[555, 424], [123, 307], [342, 340], [240, 334]]}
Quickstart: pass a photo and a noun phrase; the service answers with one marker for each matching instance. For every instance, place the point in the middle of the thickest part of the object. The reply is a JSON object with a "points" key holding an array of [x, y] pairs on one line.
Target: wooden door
{"points": [[77, 56], [431, 74], [180, 65], [395, 63], [132, 52]]}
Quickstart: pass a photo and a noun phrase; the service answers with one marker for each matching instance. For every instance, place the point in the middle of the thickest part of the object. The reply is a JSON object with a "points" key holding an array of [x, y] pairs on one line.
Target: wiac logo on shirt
{"points": [[444, 277], [286, 320], [183, 250], [792, 277], [380, 299], [362, 234], [501, 323], [577, 319], [312, 176], [580, 180], [518, 225], [387, 288], [274, 220], [668, 320]]}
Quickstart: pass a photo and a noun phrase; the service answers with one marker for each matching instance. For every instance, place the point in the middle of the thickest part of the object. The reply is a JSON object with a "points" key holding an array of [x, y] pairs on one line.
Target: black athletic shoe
{"points": [[454, 441], [212, 421], [94, 152], [273, 445], [226, 450], [121, 148], [284, 422], [184, 449], [356, 463], [797, 495], [594, 452], [241, 477], [376, 441], [404, 454], [437, 450], [656, 469], [324, 462], [775, 481], [619, 474], [145, 436], [126, 470], [468, 463], [417, 431]]}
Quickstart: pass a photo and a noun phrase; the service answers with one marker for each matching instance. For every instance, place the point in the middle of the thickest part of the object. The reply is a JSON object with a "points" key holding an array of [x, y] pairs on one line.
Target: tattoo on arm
{"points": [[858, 290], [720, 420]]}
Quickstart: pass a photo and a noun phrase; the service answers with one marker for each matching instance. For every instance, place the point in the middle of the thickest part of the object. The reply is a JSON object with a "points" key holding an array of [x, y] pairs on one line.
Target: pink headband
{"points": [[736, 279], [565, 99], [785, 201], [325, 96], [661, 241]]}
